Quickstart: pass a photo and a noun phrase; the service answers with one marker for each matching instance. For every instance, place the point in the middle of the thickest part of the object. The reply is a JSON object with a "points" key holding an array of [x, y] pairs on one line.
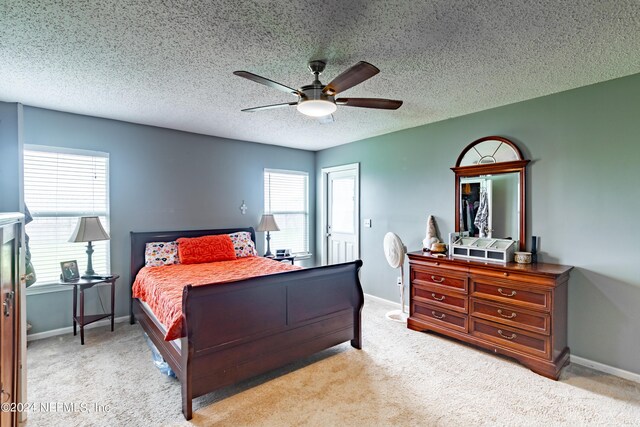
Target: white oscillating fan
{"points": [[395, 251]]}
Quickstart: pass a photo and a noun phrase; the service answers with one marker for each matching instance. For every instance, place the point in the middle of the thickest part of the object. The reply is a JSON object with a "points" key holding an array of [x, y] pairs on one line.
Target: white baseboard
{"points": [[69, 329], [607, 369], [395, 304]]}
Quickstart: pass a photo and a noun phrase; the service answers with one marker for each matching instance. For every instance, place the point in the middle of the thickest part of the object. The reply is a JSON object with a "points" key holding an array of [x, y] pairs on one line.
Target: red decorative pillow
{"points": [[198, 250]]}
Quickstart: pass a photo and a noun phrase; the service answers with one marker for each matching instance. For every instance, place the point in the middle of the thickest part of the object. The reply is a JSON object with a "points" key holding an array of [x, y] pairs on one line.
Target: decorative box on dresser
{"points": [[517, 310]]}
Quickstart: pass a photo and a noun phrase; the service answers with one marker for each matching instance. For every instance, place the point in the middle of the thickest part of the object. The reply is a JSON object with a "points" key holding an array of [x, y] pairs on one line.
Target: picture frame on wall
{"points": [[70, 271]]}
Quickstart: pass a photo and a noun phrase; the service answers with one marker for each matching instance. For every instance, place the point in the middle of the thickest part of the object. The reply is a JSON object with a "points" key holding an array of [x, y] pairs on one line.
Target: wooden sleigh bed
{"points": [[234, 331]]}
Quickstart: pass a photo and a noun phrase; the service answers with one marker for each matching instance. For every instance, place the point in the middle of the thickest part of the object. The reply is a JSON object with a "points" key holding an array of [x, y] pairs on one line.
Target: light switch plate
{"points": [[367, 223]]}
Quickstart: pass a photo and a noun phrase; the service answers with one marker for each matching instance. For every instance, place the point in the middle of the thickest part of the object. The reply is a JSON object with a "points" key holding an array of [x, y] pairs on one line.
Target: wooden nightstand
{"points": [[85, 319]]}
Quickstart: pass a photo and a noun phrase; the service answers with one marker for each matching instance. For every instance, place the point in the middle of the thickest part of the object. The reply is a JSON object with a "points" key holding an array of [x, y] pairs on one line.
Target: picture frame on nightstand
{"points": [[70, 272]]}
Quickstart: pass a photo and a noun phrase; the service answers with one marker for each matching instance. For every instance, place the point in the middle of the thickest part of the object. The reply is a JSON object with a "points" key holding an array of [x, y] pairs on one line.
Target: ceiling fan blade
{"points": [[265, 81], [383, 104], [351, 77], [268, 107]]}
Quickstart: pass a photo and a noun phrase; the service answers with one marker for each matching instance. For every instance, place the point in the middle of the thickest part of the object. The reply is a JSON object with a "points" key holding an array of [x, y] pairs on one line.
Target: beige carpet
{"points": [[400, 378]]}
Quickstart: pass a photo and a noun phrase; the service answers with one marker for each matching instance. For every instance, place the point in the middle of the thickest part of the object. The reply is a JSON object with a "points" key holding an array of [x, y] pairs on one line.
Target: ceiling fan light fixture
{"points": [[316, 107]]}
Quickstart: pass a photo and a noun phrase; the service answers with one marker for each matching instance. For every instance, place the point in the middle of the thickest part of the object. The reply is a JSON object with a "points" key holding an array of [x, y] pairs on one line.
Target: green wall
{"points": [[159, 179], [583, 200]]}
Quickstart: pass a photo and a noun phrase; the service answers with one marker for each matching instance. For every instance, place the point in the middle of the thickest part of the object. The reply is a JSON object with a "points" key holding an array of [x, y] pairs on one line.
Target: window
{"points": [[286, 196], [61, 185]]}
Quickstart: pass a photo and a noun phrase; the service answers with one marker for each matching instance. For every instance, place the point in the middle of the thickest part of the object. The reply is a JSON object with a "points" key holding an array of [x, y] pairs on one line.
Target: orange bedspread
{"points": [[161, 287]]}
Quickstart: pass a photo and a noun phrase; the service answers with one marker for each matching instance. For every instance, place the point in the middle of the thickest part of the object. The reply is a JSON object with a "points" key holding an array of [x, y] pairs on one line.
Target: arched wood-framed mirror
{"points": [[490, 190]]}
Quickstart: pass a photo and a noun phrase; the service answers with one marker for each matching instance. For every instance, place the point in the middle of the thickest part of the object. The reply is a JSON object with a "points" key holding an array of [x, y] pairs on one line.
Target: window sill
{"points": [[47, 288]]}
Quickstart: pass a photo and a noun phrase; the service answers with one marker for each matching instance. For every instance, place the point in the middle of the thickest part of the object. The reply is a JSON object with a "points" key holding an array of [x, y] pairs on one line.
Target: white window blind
{"points": [[61, 185], [286, 196]]}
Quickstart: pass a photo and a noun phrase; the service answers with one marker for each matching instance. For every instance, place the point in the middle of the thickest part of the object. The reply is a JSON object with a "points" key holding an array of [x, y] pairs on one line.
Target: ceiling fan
{"points": [[318, 100]]}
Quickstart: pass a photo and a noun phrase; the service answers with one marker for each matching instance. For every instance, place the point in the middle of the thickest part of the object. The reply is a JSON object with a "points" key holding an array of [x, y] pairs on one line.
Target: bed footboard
{"points": [[238, 330]]}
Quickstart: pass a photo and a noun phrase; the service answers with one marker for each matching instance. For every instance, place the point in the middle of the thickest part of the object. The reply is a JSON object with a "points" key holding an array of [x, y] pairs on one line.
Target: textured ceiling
{"points": [[169, 63]]}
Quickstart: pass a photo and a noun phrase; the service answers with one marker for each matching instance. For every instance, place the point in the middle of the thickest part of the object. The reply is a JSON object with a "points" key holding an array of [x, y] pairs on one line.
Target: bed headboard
{"points": [[140, 239]]}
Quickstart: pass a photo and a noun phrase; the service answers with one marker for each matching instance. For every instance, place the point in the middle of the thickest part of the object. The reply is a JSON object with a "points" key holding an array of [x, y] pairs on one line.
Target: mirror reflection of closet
{"points": [[475, 199], [499, 215]]}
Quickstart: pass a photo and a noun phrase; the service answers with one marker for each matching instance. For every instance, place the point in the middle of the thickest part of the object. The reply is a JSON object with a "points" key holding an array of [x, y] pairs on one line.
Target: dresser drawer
{"points": [[513, 276], [430, 262], [437, 316], [439, 276], [511, 315], [434, 295], [514, 338], [511, 292]]}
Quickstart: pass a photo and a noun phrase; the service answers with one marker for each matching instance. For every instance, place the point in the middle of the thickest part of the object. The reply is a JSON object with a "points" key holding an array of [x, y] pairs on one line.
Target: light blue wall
{"points": [[10, 157], [583, 200], [160, 179]]}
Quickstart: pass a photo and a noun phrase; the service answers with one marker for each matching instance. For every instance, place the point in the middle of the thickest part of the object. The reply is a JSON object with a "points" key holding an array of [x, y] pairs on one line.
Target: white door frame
{"points": [[325, 206]]}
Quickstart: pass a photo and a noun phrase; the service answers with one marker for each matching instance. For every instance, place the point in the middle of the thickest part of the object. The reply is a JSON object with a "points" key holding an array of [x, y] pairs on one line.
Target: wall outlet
{"points": [[399, 281], [367, 223]]}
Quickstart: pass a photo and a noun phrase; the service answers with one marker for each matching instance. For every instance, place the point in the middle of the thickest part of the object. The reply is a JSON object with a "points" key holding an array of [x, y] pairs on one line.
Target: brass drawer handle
{"points": [[501, 292], [506, 337], [438, 317], [436, 298], [6, 304], [513, 314], [442, 279]]}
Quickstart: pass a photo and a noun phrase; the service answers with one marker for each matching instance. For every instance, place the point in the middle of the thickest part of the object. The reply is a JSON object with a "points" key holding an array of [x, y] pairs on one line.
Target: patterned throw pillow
{"points": [[196, 250], [242, 244], [157, 254]]}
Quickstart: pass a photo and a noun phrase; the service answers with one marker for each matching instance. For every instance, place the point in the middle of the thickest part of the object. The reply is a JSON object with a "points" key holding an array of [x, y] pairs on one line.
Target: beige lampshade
{"points": [[267, 223], [88, 229]]}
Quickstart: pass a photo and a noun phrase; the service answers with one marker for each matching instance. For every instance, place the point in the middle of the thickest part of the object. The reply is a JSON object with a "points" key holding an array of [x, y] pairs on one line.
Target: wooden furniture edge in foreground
{"points": [[516, 310], [237, 330]]}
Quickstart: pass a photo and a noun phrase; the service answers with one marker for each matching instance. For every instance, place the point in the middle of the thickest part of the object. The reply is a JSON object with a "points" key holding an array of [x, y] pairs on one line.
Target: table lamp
{"points": [[89, 229], [268, 223]]}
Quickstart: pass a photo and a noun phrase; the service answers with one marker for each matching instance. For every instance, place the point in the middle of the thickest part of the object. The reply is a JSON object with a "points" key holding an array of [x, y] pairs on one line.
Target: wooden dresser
{"points": [[518, 310], [10, 351]]}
